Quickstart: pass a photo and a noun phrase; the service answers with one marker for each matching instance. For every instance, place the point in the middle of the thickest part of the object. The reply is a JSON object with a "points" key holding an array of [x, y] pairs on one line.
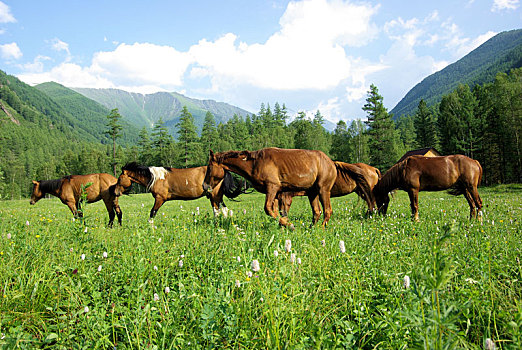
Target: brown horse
{"points": [[167, 184], [273, 170], [359, 178], [456, 173], [69, 190]]}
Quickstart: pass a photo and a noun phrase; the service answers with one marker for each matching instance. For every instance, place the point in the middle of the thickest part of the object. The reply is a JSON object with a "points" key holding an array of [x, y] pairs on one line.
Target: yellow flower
{"points": [[1, 253], [37, 236], [248, 279]]}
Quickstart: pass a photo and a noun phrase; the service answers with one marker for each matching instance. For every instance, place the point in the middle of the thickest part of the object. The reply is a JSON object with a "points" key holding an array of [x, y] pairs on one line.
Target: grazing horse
{"points": [[69, 190], [456, 173], [359, 178], [273, 170], [167, 184]]}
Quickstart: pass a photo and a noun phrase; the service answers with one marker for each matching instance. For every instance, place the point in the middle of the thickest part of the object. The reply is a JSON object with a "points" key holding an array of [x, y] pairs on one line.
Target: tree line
{"points": [[484, 123]]}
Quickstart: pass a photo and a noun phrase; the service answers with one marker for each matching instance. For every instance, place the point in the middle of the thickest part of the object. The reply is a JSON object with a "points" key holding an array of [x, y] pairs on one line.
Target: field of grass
{"points": [[188, 281]]}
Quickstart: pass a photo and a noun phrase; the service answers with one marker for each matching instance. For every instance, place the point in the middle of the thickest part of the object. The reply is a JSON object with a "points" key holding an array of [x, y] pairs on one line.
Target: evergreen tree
{"points": [[114, 132], [359, 142], [144, 146], [341, 145], [425, 127], [161, 142], [187, 137], [384, 139], [406, 129]]}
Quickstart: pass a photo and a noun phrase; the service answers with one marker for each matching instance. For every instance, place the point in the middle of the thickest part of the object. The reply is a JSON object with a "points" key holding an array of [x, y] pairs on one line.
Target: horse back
{"points": [[73, 185], [183, 183]]}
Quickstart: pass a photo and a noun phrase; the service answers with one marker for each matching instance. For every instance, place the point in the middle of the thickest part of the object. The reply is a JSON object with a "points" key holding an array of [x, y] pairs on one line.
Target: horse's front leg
{"points": [[158, 202], [270, 204], [414, 203], [324, 197], [316, 208]]}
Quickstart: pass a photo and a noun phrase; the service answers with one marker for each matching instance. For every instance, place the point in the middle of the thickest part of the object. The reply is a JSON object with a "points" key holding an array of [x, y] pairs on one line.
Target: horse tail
{"points": [[231, 188], [357, 175]]}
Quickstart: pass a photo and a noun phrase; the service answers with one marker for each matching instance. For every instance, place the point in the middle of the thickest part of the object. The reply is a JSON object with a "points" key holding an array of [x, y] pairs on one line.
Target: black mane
{"points": [[49, 186], [138, 169]]}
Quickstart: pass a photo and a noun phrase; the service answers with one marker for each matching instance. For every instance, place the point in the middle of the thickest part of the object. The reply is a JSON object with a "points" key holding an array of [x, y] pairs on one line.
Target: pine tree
{"points": [[341, 145], [144, 146], [187, 137], [161, 142], [384, 139], [359, 142], [425, 127], [114, 132]]}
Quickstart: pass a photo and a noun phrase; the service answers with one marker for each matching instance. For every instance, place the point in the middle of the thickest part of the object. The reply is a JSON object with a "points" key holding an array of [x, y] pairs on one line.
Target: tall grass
{"points": [[187, 281]]}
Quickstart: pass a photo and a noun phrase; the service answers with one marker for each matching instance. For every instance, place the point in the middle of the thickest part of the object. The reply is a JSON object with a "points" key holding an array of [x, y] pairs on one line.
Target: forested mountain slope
{"points": [[146, 109], [91, 115], [499, 54]]}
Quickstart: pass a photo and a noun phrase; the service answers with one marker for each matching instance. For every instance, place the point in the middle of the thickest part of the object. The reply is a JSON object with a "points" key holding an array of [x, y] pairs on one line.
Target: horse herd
{"points": [[281, 174]]}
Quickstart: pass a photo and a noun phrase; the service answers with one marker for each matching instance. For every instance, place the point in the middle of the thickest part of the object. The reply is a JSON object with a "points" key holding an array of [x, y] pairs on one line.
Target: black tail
{"points": [[231, 187]]}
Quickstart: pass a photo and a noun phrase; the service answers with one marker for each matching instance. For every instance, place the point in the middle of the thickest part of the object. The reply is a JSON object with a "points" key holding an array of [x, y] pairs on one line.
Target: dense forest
{"points": [[40, 138]]}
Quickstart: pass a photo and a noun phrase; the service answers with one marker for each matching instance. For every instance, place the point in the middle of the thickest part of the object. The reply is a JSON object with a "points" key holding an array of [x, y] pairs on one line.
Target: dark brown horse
{"points": [[167, 184], [69, 190], [359, 178], [457, 173], [273, 170]]}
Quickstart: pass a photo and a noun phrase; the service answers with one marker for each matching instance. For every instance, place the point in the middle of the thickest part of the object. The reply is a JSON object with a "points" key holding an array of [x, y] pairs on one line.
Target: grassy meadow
{"points": [[191, 281]]}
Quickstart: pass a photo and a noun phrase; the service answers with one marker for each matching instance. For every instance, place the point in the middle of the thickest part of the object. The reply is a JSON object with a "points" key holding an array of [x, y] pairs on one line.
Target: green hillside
{"points": [[88, 114], [499, 54], [145, 109]]}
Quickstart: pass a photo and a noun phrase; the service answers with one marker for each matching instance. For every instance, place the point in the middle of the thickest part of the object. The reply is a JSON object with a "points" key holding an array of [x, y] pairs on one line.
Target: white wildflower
{"points": [[342, 247], [104, 254], [180, 263], [238, 259], [276, 253], [288, 245], [255, 265], [8, 236], [292, 258], [406, 282], [159, 240], [298, 261], [155, 268], [82, 256], [249, 274], [230, 212], [167, 290], [489, 344], [27, 223], [156, 297], [323, 243], [86, 309], [99, 268], [238, 284]]}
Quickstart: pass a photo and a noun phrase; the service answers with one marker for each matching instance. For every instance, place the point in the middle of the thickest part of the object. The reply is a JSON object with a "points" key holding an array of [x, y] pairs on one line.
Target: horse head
{"points": [[214, 174], [124, 183], [37, 193], [382, 199]]}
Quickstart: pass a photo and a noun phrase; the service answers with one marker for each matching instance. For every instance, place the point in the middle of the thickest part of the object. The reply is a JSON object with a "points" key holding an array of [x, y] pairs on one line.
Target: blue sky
{"points": [[311, 55]]}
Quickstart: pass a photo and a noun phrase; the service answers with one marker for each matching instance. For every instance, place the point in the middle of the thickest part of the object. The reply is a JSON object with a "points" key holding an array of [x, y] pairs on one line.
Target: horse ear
{"points": [[35, 182], [211, 155]]}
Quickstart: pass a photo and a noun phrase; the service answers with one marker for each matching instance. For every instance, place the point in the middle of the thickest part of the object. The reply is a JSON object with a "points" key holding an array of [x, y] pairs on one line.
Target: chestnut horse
{"points": [[273, 170], [359, 178], [167, 184], [456, 173], [69, 190]]}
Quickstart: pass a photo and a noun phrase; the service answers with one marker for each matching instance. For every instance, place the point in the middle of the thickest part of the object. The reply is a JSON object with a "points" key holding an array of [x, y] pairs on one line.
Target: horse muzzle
{"points": [[32, 202]]}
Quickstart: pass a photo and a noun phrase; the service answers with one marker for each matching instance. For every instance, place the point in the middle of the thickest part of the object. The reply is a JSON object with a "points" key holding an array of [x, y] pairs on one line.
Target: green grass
{"points": [[465, 276]]}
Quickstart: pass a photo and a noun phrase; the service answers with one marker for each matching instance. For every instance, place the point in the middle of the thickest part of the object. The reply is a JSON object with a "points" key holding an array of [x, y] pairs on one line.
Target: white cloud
{"points": [[59, 45], [37, 65], [308, 52], [5, 14], [10, 51], [499, 5]]}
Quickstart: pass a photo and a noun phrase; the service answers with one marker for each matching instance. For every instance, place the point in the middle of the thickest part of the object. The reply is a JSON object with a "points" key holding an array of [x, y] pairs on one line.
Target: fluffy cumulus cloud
{"points": [[10, 51], [500, 5], [308, 52], [5, 14]]}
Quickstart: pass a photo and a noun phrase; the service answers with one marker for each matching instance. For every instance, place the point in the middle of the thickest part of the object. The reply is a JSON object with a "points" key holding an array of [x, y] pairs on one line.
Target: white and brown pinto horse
{"points": [[168, 184]]}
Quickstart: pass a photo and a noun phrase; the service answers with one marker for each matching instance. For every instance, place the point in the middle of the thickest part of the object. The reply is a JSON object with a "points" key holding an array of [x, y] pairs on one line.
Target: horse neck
{"points": [[239, 166], [141, 179], [390, 180], [52, 187]]}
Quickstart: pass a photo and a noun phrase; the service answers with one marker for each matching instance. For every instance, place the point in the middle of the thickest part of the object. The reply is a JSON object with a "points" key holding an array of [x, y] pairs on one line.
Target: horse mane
{"points": [[152, 173], [222, 156], [352, 172], [390, 180], [49, 186]]}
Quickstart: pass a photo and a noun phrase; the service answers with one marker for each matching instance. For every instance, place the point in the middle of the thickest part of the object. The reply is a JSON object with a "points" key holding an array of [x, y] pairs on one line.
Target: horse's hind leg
{"points": [[471, 202], [478, 202], [316, 208], [158, 202], [324, 197]]}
